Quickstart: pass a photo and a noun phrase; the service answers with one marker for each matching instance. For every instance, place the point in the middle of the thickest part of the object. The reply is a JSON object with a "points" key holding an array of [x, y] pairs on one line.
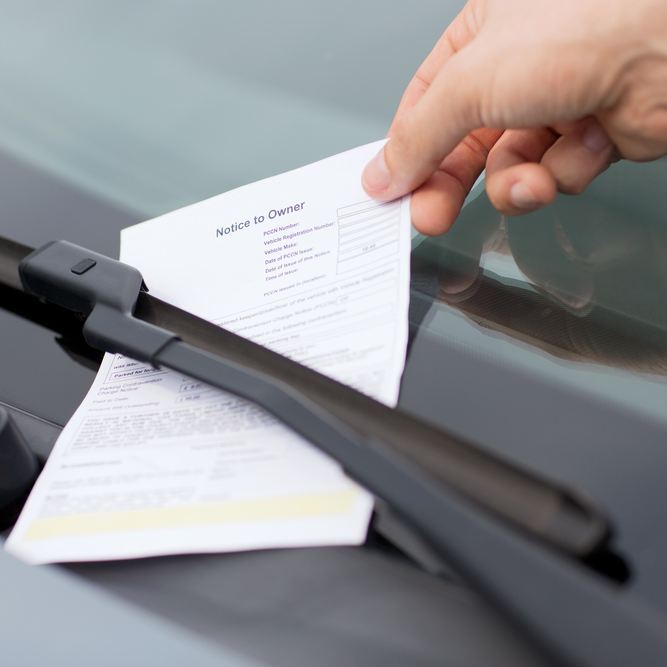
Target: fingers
{"points": [[527, 167], [579, 156], [638, 122], [423, 134], [437, 203], [515, 181], [459, 33], [422, 138]]}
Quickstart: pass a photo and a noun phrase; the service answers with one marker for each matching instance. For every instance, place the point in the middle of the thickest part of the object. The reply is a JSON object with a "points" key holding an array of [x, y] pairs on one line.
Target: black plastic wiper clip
{"points": [[101, 289]]}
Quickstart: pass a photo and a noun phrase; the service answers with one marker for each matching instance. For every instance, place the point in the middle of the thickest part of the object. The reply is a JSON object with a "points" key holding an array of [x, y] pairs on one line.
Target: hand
{"points": [[544, 95]]}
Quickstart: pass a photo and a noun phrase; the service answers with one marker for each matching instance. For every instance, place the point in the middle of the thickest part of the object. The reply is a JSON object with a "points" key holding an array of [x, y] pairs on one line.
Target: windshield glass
{"points": [[575, 292], [155, 105]]}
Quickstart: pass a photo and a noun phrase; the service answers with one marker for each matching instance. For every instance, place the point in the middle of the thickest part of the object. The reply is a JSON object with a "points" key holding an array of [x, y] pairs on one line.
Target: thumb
{"points": [[425, 134]]}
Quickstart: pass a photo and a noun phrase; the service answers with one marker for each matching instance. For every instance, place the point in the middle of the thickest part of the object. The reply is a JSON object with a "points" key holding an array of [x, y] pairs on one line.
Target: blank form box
{"points": [[368, 232]]}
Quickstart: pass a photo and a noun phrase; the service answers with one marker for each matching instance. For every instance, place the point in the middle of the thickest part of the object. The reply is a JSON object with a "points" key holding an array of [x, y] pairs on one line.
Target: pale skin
{"points": [[544, 95]]}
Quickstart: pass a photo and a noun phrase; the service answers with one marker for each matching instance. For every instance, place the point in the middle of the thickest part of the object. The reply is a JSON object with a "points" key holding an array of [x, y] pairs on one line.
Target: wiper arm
{"points": [[466, 518], [540, 507]]}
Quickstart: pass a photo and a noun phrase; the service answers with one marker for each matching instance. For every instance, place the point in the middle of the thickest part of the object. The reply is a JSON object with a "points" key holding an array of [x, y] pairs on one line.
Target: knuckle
{"points": [[401, 140], [640, 129], [638, 151], [475, 14], [646, 124], [409, 154], [476, 147]]}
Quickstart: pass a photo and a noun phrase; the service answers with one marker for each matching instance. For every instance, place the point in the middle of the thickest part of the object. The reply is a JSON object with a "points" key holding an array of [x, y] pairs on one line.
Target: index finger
{"points": [[460, 32], [418, 144]]}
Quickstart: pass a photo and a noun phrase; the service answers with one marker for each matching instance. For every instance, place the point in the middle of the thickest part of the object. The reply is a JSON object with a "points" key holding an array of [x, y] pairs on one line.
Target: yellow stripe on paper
{"points": [[237, 511]]}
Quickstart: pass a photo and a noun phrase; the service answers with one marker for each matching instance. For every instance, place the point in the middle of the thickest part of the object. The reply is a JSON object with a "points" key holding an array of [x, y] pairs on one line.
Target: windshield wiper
{"points": [[517, 539]]}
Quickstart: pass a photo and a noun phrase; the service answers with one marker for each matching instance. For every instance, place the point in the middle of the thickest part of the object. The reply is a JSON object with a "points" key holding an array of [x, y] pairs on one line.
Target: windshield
{"points": [[540, 338], [156, 105]]}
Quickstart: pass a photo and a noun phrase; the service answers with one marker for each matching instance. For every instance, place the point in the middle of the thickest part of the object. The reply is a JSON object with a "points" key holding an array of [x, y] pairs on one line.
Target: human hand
{"points": [[543, 95]]}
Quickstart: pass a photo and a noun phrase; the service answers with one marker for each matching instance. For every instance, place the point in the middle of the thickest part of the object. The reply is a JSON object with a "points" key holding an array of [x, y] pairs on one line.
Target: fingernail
{"points": [[376, 177], [522, 196], [595, 139]]}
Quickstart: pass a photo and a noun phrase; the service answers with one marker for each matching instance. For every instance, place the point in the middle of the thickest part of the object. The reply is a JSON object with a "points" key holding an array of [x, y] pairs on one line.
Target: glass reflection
{"points": [[583, 280]]}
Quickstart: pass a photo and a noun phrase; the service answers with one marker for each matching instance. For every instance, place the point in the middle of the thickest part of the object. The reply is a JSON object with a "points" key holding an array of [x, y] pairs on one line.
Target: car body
{"points": [[540, 339]]}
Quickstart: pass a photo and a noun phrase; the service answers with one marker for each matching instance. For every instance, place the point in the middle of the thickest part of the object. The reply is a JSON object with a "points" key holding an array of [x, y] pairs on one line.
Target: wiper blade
{"points": [[538, 506]]}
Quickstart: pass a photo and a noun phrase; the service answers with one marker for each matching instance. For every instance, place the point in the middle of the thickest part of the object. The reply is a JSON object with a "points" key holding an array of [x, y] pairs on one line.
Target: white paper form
{"points": [[156, 463]]}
